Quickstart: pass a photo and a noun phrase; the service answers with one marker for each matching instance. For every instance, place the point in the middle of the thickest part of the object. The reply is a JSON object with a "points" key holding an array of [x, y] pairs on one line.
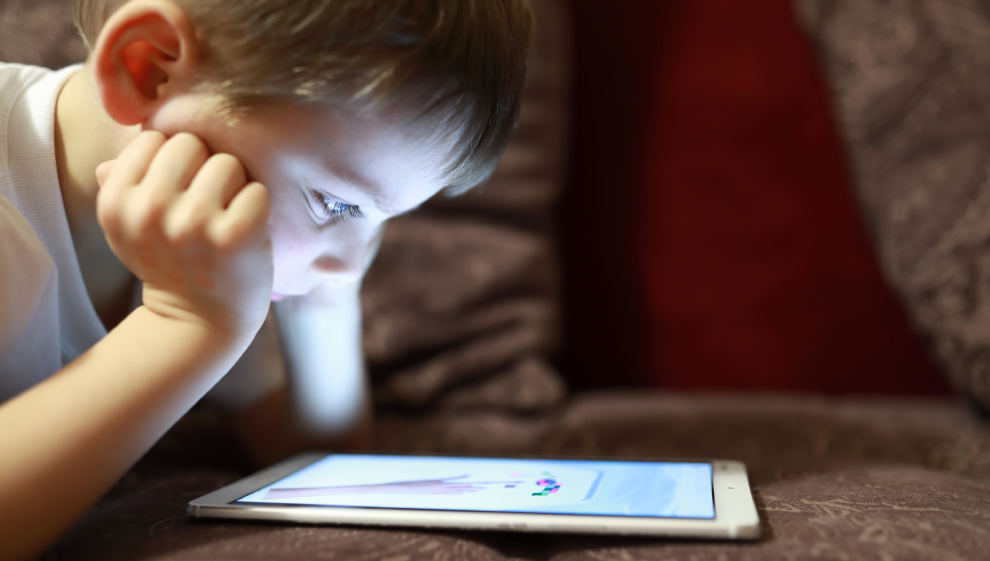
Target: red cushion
{"points": [[755, 268]]}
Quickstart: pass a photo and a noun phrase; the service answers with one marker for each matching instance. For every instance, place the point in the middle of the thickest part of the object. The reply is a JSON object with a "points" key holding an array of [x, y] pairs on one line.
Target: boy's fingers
{"points": [[176, 163], [220, 178], [248, 212], [103, 171], [134, 160]]}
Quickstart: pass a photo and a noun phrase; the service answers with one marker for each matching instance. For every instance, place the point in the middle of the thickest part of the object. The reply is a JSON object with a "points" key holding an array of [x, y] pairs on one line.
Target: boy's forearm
{"points": [[323, 344], [269, 431], [326, 404], [67, 440]]}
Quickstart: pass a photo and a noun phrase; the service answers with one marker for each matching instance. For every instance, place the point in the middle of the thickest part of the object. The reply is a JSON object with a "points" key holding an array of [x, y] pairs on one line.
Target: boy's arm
{"points": [[191, 229], [67, 440], [326, 403]]}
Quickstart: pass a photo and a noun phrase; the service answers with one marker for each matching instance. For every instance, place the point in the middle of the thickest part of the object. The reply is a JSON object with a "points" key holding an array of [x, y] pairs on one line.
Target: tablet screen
{"points": [[612, 488]]}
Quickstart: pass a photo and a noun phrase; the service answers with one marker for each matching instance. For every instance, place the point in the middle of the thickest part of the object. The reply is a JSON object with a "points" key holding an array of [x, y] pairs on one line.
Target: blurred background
{"points": [[707, 199], [710, 235], [708, 229]]}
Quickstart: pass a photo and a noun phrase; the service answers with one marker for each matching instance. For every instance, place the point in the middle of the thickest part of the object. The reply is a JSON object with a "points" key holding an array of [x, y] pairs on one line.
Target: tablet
{"points": [[696, 499]]}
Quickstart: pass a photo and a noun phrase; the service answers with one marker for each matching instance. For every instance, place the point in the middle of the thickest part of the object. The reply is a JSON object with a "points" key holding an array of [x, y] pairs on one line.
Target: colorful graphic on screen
{"points": [[549, 486], [653, 489]]}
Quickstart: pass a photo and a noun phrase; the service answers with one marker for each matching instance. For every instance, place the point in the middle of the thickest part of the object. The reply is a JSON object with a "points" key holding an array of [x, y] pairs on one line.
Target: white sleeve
{"points": [[29, 334], [25, 268]]}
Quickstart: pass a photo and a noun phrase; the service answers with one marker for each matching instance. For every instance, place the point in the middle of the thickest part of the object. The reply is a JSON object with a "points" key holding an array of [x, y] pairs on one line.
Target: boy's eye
{"points": [[327, 208]]}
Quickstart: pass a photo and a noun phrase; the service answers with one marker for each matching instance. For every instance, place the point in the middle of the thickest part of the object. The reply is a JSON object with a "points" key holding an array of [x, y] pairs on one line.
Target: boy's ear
{"points": [[146, 52]]}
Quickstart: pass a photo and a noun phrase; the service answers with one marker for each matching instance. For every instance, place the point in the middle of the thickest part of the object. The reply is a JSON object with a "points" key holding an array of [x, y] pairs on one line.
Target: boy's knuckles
{"points": [[190, 142], [150, 207], [230, 237], [140, 235], [251, 205], [192, 216], [227, 165], [151, 138], [107, 204], [111, 222], [109, 200], [181, 234], [226, 240]]}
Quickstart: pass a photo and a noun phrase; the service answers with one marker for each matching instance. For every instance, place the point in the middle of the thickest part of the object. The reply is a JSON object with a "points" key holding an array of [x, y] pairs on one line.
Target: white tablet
{"points": [[692, 499]]}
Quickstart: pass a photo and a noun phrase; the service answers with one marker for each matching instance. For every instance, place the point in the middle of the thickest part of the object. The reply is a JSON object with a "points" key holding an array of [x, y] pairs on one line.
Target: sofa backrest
{"points": [[711, 213]]}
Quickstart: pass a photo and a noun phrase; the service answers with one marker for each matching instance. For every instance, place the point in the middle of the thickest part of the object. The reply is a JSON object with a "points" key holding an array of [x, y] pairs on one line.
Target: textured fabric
{"points": [[460, 306], [64, 323], [756, 270], [29, 346], [836, 479], [39, 32], [911, 81], [34, 175], [846, 479]]}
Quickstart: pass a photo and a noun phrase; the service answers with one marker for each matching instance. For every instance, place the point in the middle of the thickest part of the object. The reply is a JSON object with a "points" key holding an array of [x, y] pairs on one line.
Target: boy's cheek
{"points": [[290, 267]]}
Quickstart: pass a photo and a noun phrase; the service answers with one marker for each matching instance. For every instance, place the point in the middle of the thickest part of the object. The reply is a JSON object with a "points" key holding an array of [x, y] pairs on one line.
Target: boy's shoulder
{"points": [[15, 79], [28, 300], [28, 279], [19, 243], [14, 72], [34, 235], [28, 95]]}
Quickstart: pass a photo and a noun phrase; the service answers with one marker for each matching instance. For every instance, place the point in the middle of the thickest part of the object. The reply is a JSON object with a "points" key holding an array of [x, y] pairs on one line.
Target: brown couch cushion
{"points": [[461, 304], [911, 83], [39, 32], [870, 513], [837, 479]]}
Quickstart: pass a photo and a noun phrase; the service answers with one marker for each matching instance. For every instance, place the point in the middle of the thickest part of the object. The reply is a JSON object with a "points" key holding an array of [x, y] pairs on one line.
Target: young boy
{"points": [[227, 154]]}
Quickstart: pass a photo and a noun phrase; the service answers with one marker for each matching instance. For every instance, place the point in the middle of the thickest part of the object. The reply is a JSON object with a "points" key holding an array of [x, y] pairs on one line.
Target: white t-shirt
{"points": [[46, 317]]}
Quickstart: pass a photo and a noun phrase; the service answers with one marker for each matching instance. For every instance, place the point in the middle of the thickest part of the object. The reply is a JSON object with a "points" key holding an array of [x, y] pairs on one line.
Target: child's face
{"points": [[333, 178]]}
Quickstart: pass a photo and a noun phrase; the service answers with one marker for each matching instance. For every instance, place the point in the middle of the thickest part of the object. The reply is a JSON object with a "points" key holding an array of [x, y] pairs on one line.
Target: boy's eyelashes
{"points": [[331, 210]]}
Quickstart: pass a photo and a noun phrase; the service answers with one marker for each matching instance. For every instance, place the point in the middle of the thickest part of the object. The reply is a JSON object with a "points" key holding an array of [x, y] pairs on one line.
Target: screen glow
{"points": [[613, 488]]}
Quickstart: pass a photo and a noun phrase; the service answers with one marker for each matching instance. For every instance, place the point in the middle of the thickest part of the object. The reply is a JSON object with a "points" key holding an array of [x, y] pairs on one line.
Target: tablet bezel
{"points": [[735, 511]]}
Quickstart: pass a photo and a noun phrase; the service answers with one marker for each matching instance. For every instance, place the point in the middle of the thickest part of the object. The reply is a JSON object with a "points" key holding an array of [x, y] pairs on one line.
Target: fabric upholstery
{"points": [[39, 32], [911, 82], [756, 267], [461, 304], [835, 479]]}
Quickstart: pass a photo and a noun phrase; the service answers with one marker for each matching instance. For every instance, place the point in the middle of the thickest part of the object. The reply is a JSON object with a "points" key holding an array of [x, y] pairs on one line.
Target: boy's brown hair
{"points": [[462, 62]]}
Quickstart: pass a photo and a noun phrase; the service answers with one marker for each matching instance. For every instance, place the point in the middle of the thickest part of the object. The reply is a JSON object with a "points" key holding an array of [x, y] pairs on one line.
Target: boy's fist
{"points": [[192, 228]]}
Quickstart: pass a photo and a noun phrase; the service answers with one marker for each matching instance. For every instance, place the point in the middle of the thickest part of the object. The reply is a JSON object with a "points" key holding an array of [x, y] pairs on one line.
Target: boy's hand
{"points": [[191, 228]]}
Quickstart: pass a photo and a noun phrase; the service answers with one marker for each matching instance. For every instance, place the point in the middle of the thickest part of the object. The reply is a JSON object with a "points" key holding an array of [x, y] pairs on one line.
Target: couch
{"points": [[463, 349]]}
